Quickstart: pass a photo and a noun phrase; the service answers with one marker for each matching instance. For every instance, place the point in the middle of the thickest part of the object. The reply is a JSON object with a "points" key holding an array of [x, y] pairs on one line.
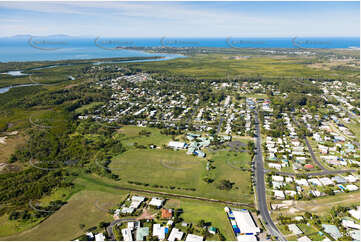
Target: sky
{"points": [[181, 19]]}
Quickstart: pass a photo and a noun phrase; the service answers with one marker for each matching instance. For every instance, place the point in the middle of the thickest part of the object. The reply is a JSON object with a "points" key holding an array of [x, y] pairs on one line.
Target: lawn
{"points": [[168, 168], [89, 205], [193, 211], [131, 136], [155, 167], [311, 232], [355, 128]]}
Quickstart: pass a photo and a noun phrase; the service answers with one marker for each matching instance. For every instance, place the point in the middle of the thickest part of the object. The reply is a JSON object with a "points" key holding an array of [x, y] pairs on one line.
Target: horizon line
{"points": [[164, 36]]}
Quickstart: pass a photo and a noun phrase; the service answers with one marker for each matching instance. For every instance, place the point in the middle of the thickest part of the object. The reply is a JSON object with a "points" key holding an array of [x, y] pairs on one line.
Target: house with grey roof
{"points": [[332, 230]]}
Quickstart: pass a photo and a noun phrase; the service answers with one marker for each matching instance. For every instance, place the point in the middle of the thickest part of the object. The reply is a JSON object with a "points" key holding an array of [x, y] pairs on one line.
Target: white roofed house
{"points": [[193, 237], [127, 234], [99, 237], [295, 229], [278, 178], [326, 181], [156, 202], [246, 238], [278, 185], [315, 182], [136, 201], [274, 165], [245, 222], [177, 145], [351, 187], [350, 224], [351, 178], [175, 234], [159, 231], [302, 182], [355, 213], [279, 194]]}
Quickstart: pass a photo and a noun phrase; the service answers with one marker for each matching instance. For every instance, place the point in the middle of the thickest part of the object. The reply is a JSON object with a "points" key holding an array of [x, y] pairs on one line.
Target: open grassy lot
{"points": [[168, 168], [10, 227], [194, 211], [131, 136], [65, 223], [89, 207], [355, 128], [151, 166], [83, 108], [320, 206]]}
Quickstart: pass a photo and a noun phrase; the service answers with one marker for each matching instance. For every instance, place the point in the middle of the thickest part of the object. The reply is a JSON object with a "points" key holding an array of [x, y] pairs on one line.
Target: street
{"points": [[260, 187]]}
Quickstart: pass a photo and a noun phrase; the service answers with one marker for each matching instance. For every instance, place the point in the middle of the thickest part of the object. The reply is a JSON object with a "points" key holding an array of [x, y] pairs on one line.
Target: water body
{"points": [[64, 48], [27, 48], [15, 73], [21, 72], [6, 89]]}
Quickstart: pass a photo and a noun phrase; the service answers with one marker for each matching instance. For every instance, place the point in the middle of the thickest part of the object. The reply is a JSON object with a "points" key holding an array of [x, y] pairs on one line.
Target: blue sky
{"points": [[181, 19]]}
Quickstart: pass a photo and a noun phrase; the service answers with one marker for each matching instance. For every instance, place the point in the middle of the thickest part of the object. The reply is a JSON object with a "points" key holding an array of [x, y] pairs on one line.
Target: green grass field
{"points": [[83, 108], [88, 207], [177, 169], [131, 136], [65, 223], [194, 211]]}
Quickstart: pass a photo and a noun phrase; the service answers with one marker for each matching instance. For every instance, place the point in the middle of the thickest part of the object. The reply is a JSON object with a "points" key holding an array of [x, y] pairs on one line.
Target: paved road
{"points": [[220, 125], [317, 162], [260, 187], [313, 155], [321, 173], [115, 222]]}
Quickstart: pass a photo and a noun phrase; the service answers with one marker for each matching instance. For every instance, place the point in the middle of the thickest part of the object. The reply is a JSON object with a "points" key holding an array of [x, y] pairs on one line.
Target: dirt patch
{"points": [[173, 203], [70, 86], [236, 146], [12, 142], [146, 214]]}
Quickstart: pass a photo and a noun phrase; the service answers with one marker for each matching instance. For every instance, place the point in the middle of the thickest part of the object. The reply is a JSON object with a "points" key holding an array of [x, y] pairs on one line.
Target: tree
{"points": [[103, 224], [225, 185], [201, 223]]}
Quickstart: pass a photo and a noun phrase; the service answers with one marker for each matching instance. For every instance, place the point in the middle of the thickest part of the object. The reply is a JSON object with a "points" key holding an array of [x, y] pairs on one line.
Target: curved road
{"points": [[115, 222], [317, 162], [260, 187], [260, 183]]}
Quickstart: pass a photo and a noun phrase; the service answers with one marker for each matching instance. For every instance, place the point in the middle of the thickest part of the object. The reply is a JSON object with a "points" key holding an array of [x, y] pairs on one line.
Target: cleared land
{"points": [[12, 142], [64, 224], [194, 211], [320, 206], [89, 207], [168, 168]]}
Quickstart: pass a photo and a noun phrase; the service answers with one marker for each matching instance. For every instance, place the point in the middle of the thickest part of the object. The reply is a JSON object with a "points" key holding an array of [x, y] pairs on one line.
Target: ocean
{"points": [[27, 48]]}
